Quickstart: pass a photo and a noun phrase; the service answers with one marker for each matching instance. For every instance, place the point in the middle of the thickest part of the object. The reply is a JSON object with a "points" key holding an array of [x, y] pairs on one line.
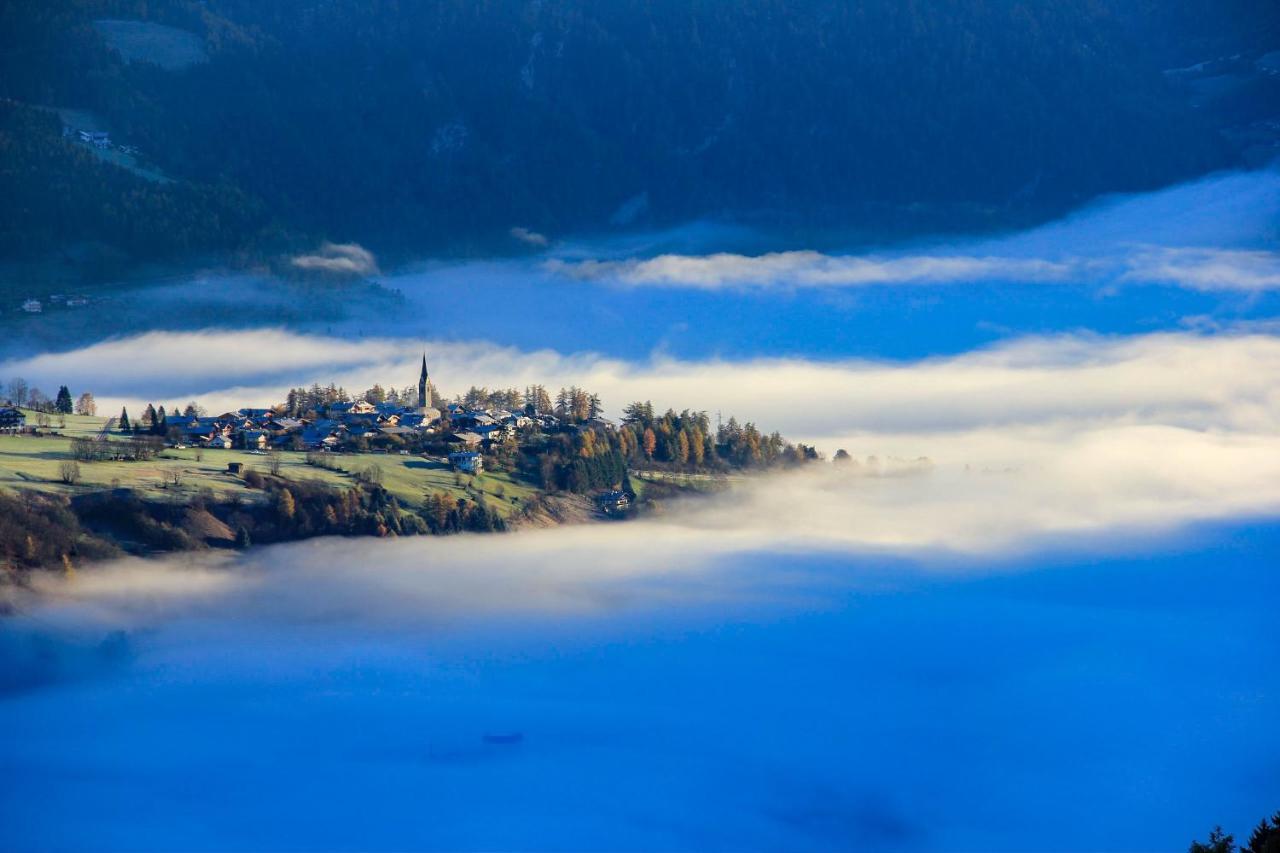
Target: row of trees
{"points": [[444, 514], [157, 421], [594, 458], [685, 441], [303, 402], [30, 397], [1265, 838], [139, 448]]}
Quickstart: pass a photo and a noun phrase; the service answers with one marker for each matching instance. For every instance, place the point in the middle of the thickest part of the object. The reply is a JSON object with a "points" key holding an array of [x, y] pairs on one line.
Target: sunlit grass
{"points": [[28, 462]]}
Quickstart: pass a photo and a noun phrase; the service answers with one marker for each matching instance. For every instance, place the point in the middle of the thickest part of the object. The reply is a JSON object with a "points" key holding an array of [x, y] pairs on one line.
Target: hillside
{"points": [[443, 125]]}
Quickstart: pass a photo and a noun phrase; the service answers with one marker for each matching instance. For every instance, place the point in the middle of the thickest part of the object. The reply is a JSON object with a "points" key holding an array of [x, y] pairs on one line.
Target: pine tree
{"points": [[124, 420], [1218, 843], [63, 403]]}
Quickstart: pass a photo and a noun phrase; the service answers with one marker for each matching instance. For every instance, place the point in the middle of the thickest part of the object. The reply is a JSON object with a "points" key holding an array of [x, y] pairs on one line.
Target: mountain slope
{"points": [[415, 126]]}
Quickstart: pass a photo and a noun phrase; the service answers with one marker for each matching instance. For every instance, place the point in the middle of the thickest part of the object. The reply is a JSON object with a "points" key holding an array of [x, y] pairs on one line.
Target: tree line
{"points": [[1265, 838], [29, 397]]}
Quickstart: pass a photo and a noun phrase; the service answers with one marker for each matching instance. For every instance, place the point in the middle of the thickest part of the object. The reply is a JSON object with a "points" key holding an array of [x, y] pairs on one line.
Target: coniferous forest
{"points": [[440, 126]]}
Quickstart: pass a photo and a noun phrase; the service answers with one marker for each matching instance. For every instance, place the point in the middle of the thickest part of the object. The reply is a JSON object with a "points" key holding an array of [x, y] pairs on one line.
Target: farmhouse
{"points": [[615, 501], [12, 420], [466, 439], [96, 138], [467, 460]]}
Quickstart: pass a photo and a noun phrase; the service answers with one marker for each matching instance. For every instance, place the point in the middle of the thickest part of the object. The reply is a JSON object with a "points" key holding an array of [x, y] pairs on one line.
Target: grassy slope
{"points": [[146, 41], [33, 463]]}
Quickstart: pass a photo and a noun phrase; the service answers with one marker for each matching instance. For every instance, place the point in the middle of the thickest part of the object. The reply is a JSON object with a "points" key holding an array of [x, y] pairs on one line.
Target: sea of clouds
{"points": [[1035, 611]]}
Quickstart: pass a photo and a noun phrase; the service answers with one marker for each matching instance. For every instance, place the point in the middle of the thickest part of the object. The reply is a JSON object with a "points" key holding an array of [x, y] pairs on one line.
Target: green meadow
{"points": [[34, 462]]}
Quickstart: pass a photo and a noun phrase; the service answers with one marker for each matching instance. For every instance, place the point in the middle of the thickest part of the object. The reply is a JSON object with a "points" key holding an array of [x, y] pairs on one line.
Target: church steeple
{"points": [[424, 400]]}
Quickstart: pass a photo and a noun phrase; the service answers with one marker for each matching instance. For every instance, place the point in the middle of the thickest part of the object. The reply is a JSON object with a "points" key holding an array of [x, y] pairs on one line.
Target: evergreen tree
{"points": [[1265, 837], [242, 538], [1217, 843], [124, 420], [63, 403]]}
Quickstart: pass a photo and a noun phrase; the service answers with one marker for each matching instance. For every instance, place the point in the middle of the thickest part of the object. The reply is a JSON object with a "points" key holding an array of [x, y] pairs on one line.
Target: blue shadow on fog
{"points": [[794, 702]]}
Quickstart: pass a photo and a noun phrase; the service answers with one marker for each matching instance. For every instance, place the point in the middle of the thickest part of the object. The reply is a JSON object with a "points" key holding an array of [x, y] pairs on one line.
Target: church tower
{"points": [[424, 398]]}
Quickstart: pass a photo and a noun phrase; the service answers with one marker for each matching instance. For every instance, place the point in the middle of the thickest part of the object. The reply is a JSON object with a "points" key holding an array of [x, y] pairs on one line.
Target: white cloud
{"points": [[530, 238], [1177, 378], [1207, 269], [339, 258], [810, 269]]}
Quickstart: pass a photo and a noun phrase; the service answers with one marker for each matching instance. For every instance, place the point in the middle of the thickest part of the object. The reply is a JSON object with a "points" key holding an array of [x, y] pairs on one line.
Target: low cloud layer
{"points": [[1180, 379], [810, 269], [1188, 267], [1208, 269], [1040, 437], [1210, 235], [339, 259], [310, 696]]}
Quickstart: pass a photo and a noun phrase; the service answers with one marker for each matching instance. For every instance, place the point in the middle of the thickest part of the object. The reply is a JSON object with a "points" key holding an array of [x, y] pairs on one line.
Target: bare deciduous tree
{"points": [[18, 391]]}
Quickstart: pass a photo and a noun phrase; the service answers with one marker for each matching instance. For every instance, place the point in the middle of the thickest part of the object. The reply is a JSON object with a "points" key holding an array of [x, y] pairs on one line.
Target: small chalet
{"points": [[254, 439], [468, 461], [12, 420], [615, 501]]}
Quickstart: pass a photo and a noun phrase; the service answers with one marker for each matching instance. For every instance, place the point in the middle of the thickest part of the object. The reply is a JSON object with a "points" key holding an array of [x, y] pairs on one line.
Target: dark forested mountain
{"points": [[444, 123]]}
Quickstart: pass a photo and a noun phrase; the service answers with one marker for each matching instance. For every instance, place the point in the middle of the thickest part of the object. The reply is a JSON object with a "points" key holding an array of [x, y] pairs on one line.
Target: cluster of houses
{"points": [[468, 432]]}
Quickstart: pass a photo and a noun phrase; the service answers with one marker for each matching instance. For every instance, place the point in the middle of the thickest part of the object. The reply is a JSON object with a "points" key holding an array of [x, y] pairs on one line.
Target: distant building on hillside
{"points": [[12, 420], [468, 461], [96, 138], [615, 501], [424, 387]]}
